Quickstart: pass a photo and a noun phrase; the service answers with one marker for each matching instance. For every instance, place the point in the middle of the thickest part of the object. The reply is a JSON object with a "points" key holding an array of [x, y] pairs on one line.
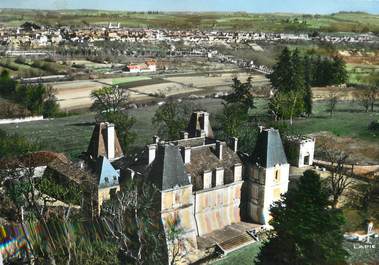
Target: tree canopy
{"points": [[306, 230]]}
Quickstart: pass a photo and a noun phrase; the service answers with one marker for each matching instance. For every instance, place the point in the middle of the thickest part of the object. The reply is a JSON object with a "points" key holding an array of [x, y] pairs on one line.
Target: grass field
{"points": [[353, 22], [348, 120], [358, 72], [32, 68], [71, 134]]}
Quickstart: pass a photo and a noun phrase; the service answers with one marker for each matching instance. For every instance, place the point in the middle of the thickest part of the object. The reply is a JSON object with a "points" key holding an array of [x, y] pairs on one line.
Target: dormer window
{"points": [[114, 177], [106, 179]]}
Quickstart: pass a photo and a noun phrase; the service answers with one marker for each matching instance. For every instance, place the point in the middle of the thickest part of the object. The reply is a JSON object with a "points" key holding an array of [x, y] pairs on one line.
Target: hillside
{"points": [[277, 22]]}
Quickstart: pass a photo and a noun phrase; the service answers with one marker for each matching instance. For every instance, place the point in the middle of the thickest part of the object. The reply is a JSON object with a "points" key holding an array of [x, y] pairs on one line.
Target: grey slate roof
{"points": [[269, 149], [167, 170], [204, 158]]}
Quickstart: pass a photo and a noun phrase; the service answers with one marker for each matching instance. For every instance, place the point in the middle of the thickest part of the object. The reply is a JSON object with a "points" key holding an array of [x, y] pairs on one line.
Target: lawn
{"points": [[71, 134], [357, 72], [244, 256], [349, 120]]}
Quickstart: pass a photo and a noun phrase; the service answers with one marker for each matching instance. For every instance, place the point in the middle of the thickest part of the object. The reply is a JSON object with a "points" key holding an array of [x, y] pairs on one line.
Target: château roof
{"points": [[98, 143], [107, 175], [167, 170], [204, 158], [269, 150]]}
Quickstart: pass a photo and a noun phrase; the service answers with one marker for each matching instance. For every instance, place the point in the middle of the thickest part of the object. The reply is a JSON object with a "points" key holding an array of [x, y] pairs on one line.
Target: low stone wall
{"points": [[19, 120], [370, 172]]}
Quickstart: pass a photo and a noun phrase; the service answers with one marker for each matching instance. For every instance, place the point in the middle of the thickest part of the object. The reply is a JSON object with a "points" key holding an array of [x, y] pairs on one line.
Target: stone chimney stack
{"points": [[155, 139], [219, 149], [152, 148], [184, 135], [219, 176], [234, 144], [110, 141], [186, 153], [205, 122]]}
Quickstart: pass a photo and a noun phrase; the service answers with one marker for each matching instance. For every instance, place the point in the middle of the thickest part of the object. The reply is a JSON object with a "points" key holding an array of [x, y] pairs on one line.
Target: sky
{"points": [[253, 6]]}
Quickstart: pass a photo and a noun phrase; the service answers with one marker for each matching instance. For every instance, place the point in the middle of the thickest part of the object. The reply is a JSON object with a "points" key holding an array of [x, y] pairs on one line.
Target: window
{"points": [[114, 178], [276, 175], [306, 160], [106, 179]]}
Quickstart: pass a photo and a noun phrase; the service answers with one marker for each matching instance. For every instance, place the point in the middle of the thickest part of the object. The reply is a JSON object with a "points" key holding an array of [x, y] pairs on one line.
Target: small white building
{"points": [[300, 150]]}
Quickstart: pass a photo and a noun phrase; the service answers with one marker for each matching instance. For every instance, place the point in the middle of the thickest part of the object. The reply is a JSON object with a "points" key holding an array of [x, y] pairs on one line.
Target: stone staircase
{"points": [[235, 243]]}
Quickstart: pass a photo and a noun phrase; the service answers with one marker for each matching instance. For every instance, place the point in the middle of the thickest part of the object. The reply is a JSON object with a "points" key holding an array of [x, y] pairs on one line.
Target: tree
{"points": [[339, 71], [340, 179], [298, 72], [123, 123], [332, 101], [308, 77], [50, 107], [305, 229], [281, 77], [175, 241], [129, 221], [373, 81], [287, 105], [232, 118], [364, 196], [241, 94], [363, 98], [109, 102], [32, 97], [172, 117], [7, 84], [109, 99]]}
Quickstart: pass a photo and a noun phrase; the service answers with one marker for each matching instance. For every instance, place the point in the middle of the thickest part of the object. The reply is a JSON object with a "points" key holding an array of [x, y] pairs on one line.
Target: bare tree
{"points": [[129, 221], [332, 101], [340, 179], [175, 241], [363, 98], [19, 179]]}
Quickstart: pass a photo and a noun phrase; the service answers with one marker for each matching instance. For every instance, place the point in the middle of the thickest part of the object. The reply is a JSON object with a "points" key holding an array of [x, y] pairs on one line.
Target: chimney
{"points": [[155, 139], [186, 153], [152, 152], [205, 122], [110, 141], [234, 144], [184, 135], [219, 176], [219, 149], [260, 128], [237, 172], [207, 179]]}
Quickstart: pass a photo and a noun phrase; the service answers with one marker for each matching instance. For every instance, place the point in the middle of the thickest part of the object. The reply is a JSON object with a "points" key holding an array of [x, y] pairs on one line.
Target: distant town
{"points": [[188, 138]]}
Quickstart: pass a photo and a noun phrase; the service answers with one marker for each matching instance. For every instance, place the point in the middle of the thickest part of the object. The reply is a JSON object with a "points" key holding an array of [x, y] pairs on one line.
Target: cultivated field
{"points": [[76, 94]]}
